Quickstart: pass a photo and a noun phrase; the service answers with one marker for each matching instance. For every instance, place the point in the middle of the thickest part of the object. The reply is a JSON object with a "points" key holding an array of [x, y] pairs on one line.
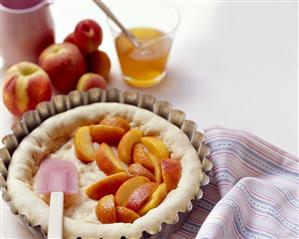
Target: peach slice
{"points": [[105, 186], [139, 156], [154, 200], [171, 173], [83, 145], [127, 188], [140, 195], [107, 161], [125, 215], [106, 134], [137, 169], [156, 147], [157, 167], [105, 209], [117, 122], [127, 143]]}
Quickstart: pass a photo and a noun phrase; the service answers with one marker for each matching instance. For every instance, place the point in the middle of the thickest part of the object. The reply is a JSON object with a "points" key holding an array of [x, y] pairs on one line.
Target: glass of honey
{"points": [[154, 27]]}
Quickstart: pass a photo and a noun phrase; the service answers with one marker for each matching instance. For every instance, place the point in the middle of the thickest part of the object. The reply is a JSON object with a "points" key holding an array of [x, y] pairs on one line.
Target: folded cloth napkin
{"points": [[253, 193]]}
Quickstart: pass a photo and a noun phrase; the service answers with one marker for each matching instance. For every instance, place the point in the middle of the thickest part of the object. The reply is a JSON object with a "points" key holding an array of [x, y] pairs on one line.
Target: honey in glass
{"points": [[144, 66]]}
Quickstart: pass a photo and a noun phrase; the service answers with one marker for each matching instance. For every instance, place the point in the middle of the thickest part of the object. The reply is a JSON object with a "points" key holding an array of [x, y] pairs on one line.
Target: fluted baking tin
{"points": [[62, 103]]}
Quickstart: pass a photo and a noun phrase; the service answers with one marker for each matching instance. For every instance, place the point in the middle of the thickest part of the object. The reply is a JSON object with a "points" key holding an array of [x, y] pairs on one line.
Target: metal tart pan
{"points": [[62, 103]]}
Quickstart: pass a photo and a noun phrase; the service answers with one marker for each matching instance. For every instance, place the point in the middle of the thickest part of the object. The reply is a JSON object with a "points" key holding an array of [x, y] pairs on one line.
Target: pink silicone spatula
{"points": [[57, 177]]}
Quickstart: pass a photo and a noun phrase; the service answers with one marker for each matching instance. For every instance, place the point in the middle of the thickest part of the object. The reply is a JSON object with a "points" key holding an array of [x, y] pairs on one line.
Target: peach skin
{"points": [[127, 143], [70, 38], [117, 122], [88, 35], [98, 62], [171, 173], [105, 209], [64, 64], [154, 200], [91, 80], [137, 169], [83, 145], [125, 215], [107, 185], [157, 167], [140, 195], [106, 134], [127, 188], [107, 161], [139, 156], [156, 147]]}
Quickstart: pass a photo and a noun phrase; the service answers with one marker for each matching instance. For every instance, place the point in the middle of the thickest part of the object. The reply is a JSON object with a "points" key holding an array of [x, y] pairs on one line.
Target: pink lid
{"points": [[55, 175], [20, 4]]}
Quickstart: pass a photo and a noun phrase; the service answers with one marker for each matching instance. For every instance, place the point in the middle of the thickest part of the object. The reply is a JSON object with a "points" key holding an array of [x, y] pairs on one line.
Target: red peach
{"points": [[64, 64], [91, 80], [70, 38], [98, 62], [25, 85], [88, 35]]}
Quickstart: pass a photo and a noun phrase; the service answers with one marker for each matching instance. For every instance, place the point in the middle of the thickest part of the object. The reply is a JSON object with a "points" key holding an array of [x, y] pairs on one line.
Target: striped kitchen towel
{"points": [[254, 191]]}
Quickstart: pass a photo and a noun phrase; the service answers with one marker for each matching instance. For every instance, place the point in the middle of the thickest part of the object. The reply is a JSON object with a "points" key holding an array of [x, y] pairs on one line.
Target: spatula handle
{"points": [[56, 216], [107, 11]]}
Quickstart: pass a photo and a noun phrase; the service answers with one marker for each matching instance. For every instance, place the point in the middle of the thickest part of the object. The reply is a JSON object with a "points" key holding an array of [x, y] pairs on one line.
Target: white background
{"points": [[232, 64]]}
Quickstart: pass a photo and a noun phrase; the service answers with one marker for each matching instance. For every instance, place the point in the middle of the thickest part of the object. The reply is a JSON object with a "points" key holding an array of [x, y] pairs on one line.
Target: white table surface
{"points": [[232, 64]]}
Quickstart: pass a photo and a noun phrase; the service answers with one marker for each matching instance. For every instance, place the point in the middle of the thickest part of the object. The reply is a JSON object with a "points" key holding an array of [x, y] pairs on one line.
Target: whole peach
{"points": [[98, 62], [88, 35], [70, 38], [25, 85], [64, 64], [91, 80]]}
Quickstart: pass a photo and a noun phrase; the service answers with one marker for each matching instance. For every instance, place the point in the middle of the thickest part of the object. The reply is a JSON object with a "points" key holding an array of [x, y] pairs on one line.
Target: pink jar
{"points": [[27, 28]]}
